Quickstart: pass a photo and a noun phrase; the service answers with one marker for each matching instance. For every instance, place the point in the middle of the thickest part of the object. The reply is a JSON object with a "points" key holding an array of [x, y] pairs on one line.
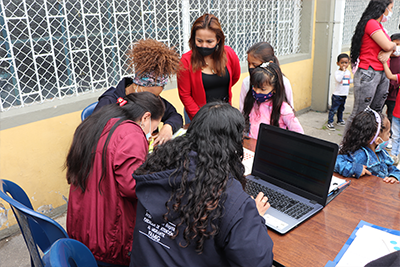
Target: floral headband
{"points": [[150, 80], [378, 120]]}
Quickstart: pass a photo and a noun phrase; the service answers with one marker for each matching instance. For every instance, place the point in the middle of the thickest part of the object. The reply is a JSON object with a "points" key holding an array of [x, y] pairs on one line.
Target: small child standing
{"points": [[394, 85], [396, 111], [342, 81], [363, 148], [266, 101]]}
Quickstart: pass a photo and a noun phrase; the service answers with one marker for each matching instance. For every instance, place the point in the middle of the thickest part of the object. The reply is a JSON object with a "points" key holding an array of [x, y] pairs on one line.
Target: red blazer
{"points": [[105, 222], [190, 84]]}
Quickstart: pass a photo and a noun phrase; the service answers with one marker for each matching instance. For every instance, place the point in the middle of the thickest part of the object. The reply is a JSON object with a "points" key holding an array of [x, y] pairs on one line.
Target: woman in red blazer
{"points": [[210, 68]]}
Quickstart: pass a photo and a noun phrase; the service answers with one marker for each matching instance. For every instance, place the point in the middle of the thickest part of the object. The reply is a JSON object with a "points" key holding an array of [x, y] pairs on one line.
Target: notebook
{"points": [[294, 171]]}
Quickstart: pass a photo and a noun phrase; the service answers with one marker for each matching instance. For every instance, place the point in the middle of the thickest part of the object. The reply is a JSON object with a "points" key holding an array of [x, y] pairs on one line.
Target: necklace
{"points": [[212, 70]]}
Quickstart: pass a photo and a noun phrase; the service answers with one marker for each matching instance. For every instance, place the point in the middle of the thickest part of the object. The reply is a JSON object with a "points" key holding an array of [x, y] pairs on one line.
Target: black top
{"points": [[216, 87]]}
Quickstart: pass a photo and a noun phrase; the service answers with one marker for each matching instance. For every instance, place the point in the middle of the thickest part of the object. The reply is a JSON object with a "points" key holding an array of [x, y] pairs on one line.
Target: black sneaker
{"points": [[330, 126]]}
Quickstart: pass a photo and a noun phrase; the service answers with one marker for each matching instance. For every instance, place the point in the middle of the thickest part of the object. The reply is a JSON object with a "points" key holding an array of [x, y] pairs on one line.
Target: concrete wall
{"points": [[34, 140]]}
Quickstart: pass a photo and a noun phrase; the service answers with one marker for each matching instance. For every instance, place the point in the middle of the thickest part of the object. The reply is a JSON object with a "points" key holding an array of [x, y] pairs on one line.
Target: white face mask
{"points": [[397, 52], [386, 18], [148, 135]]}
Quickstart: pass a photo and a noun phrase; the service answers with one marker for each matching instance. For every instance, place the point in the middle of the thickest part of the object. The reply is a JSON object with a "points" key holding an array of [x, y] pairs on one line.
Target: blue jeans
{"points": [[395, 136], [338, 102]]}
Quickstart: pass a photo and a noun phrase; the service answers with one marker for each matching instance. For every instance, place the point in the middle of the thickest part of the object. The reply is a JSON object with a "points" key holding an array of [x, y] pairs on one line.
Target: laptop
{"points": [[294, 171]]}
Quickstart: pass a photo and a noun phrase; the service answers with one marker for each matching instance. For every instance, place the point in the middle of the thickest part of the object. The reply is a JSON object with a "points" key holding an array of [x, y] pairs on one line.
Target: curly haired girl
{"points": [[153, 62], [192, 209], [363, 148]]}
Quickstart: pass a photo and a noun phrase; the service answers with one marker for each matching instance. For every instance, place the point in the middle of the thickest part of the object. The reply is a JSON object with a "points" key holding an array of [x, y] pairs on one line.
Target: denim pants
{"points": [[338, 102], [370, 89], [395, 136]]}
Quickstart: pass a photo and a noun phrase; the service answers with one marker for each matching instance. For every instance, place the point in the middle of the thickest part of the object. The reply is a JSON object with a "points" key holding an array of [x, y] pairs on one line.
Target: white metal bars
{"points": [[58, 48], [352, 14]]}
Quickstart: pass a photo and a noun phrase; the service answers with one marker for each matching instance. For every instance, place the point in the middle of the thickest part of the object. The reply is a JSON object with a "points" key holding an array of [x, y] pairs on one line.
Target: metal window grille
{"points": [[52, 49], [352, 14]]}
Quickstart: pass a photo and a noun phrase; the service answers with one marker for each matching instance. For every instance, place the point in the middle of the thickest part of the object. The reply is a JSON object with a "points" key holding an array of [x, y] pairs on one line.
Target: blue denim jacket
{"points": [[350, 165]]}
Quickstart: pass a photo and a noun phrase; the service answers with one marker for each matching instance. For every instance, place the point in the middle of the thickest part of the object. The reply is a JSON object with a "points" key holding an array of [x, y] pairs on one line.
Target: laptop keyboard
{"points": [[285, 204]]}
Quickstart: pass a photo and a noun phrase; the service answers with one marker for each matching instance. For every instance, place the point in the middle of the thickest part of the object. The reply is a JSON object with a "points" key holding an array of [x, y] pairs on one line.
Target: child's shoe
{"points": [[330, 126], [341, 123]]}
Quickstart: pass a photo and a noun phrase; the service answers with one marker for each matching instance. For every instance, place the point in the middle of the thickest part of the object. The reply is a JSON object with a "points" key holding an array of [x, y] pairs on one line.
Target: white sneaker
{"points": [[330, 126]]}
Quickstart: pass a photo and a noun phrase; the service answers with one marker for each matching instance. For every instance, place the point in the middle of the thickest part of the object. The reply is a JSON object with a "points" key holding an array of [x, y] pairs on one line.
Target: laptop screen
{"points": [[294, 160]]}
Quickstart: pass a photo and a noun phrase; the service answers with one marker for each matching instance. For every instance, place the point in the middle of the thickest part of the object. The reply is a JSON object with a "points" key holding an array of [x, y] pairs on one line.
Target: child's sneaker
{"points": [[341, 123], [330, 126]]}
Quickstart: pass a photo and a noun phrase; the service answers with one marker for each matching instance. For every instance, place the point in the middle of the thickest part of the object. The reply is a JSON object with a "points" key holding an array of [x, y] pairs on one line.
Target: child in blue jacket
{"points": [[363, 148]]}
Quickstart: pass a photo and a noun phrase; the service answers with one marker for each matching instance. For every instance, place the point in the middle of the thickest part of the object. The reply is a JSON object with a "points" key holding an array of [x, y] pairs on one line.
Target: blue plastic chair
{"points": [[88, 110], [37, 229], [69, 252]]}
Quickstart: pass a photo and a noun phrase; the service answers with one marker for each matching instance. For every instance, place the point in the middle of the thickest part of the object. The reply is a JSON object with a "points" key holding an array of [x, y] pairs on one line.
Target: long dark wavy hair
{"points": [[362, 129], [270, 75], [81, 155], [215, 134], [209, 22], [374, 10]]}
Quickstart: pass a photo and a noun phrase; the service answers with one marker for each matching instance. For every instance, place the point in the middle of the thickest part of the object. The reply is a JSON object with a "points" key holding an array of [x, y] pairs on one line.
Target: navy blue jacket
{"points": [[242, 239], [110, 96]]}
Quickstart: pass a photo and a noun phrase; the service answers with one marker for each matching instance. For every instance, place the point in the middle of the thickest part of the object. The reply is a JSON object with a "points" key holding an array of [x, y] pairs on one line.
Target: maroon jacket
{"points": [[394, 86], [104, 221]]}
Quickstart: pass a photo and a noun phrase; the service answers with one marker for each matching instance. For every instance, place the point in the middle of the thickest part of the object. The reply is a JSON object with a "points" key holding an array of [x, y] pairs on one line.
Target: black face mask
{"points": [[205, 51], [251, 70]]}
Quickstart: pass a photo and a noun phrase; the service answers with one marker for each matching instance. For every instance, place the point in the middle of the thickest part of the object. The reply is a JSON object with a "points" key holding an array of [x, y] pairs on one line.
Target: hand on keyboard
{"points": [[261, 203]]}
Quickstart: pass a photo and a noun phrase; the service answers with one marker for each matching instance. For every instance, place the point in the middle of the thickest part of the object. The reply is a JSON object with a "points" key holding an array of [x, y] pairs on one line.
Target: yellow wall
{"points": [[32, 155]]}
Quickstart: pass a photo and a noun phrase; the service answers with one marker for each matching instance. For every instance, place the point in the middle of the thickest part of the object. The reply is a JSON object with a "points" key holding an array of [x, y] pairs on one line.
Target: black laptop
{"points": [[294, 171]]}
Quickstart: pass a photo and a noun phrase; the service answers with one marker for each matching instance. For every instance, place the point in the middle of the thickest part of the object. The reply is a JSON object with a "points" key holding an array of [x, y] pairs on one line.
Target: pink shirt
{"points": [[262, 113], [369, 48]]}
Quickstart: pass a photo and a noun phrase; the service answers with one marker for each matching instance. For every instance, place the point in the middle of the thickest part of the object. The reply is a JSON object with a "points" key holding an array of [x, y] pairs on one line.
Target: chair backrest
{"points": [[88, 110], [36, 228], [69, 252]]}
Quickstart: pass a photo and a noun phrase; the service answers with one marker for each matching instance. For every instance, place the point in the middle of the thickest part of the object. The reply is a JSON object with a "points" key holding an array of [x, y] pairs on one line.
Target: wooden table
{"points": [[320, 238]]}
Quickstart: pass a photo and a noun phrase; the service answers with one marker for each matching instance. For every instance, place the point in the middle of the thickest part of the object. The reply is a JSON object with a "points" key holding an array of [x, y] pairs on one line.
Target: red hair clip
{"points": [[121, 101]]}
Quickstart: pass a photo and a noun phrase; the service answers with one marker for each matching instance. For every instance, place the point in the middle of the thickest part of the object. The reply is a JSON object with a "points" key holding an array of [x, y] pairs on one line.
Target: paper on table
{"points": [[335, 183], [370, 243], [180, 132], [248, 158]]}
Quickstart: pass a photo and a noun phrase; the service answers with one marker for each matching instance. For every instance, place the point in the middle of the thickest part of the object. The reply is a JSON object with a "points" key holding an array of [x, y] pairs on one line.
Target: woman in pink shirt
{"points": [[370, 83], [266, 101]]}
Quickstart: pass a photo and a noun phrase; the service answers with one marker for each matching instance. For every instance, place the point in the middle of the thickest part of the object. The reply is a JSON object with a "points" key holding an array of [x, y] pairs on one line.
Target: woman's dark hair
{"points": [[270, 75], [215, 134], [264, 52], [362, 129], [209, 22], [374, 10], [81, 155]]}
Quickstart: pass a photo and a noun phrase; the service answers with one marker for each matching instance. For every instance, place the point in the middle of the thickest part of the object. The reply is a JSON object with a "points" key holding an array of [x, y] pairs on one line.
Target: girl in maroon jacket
{"points": [[107, 147]]}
